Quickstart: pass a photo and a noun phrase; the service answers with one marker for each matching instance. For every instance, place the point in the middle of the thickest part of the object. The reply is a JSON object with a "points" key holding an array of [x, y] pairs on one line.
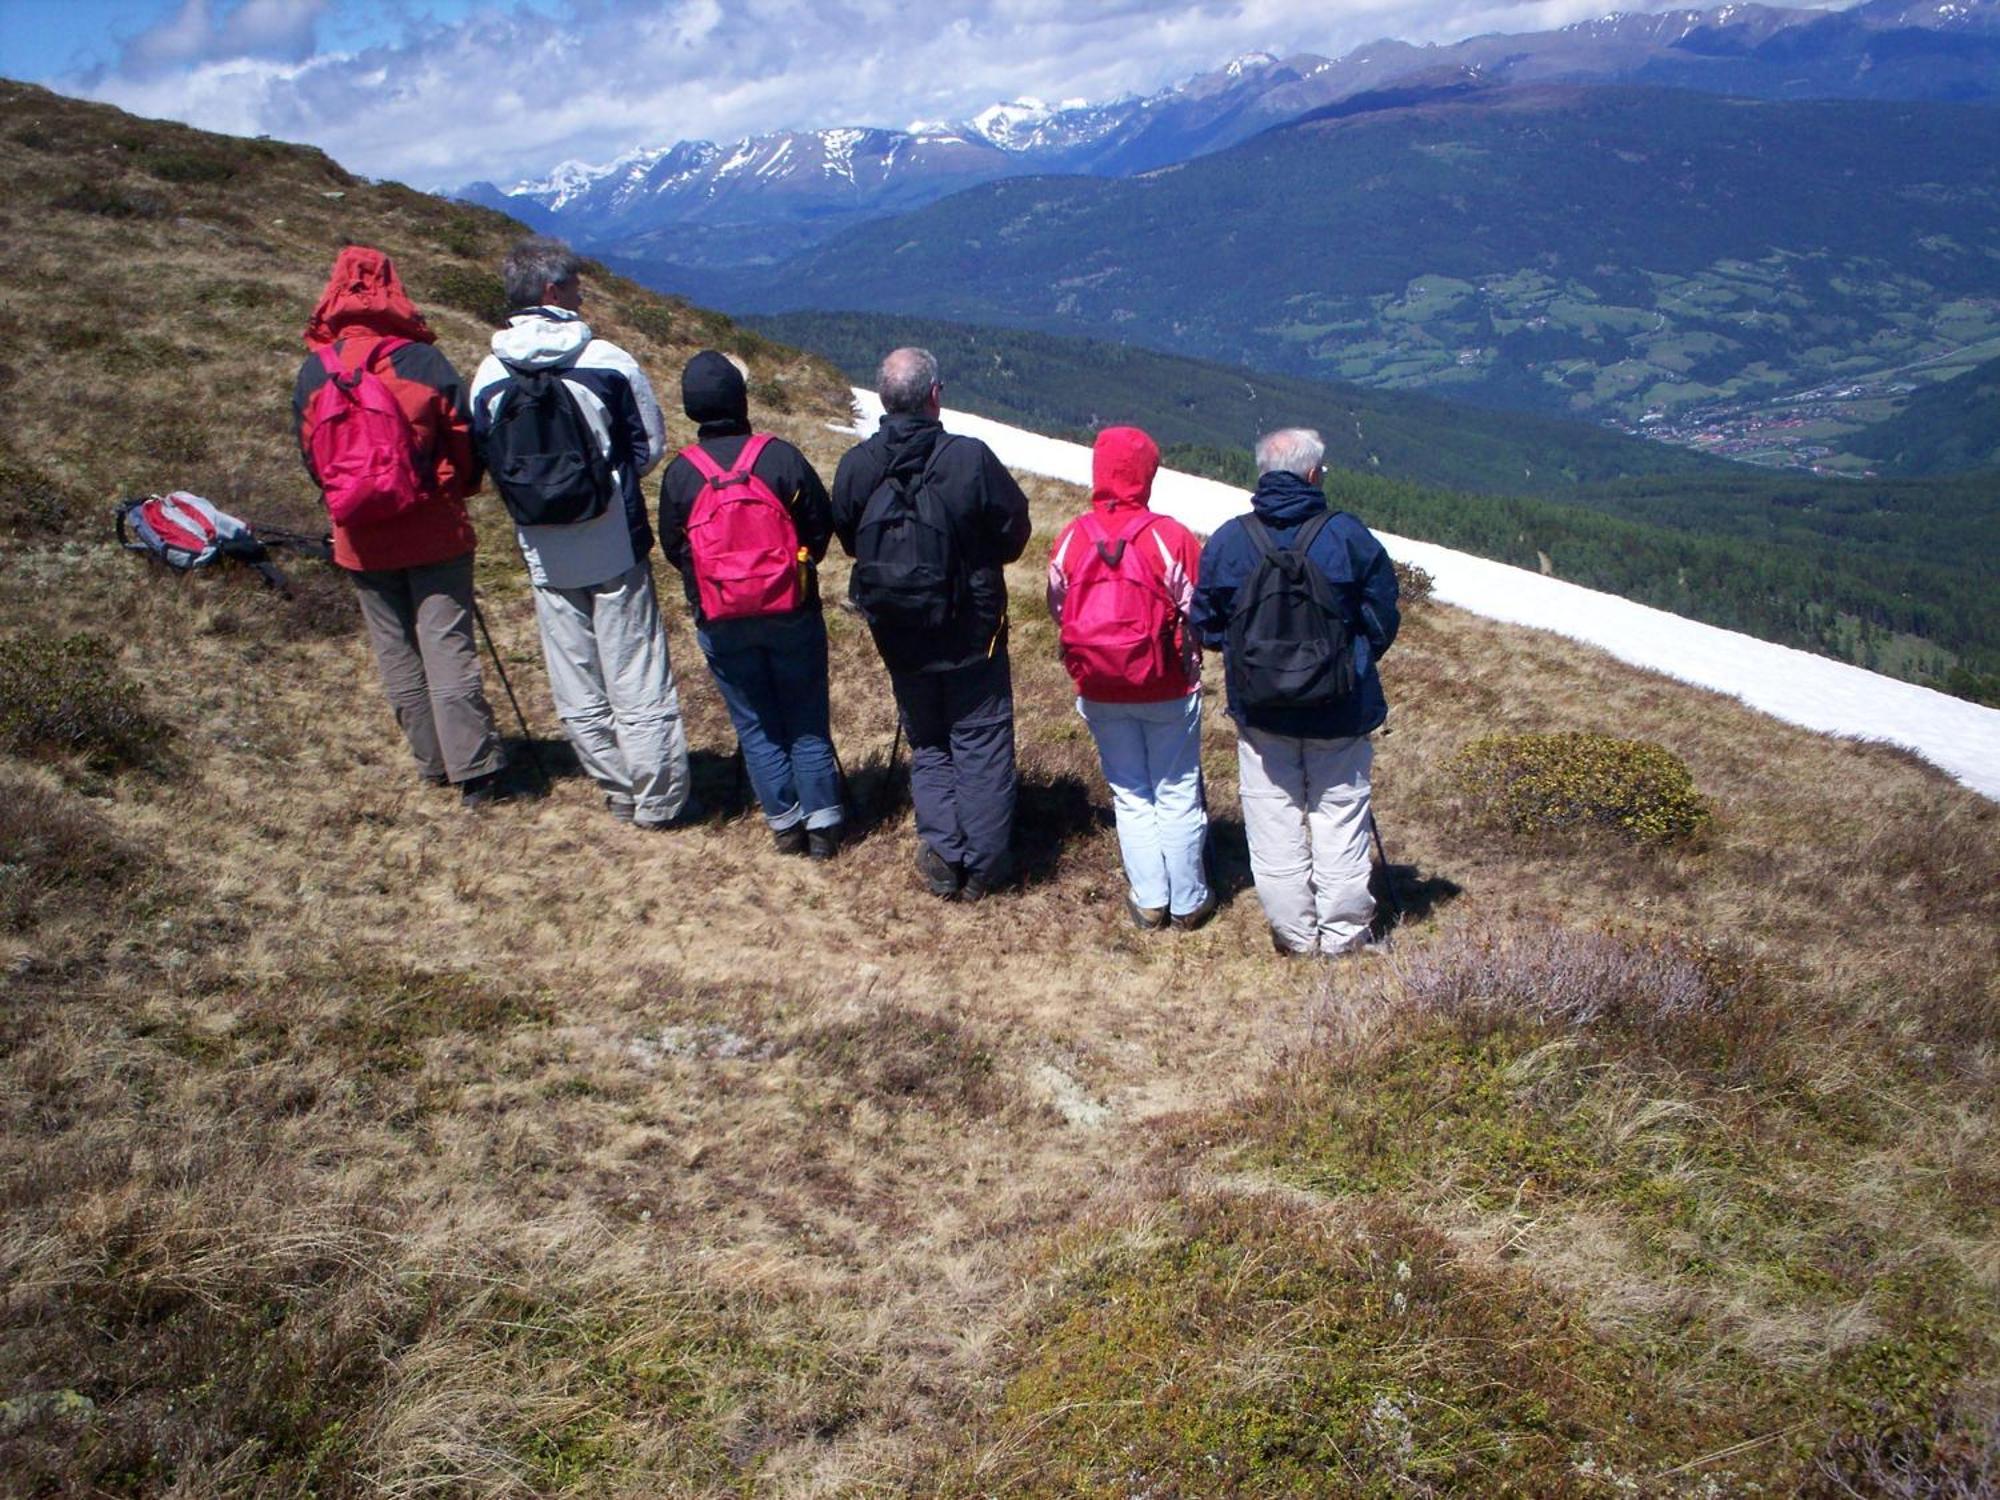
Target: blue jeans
{"points": [[1151, 754], [772, 673]]}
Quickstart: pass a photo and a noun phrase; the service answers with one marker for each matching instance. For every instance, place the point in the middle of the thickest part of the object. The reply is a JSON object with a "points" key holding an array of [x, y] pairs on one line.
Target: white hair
{"points": [[1290, 450], [904, 382]]}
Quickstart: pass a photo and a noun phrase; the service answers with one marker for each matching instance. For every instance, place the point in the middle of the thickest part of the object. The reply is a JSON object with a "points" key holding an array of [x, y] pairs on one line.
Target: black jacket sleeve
{"points": [[1005, 508]]}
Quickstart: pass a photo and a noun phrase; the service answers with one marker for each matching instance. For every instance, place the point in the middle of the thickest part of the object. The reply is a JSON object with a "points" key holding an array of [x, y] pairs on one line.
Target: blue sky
{"points": [[440, 92]]}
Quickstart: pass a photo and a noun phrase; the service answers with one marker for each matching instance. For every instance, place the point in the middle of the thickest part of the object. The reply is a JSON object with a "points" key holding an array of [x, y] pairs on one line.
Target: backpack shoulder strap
{"points": [[1260, 536], [705, 464], [1309, 533]]}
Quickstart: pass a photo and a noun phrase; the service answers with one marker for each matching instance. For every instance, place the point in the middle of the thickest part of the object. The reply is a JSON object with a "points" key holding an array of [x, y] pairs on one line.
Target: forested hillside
{"points": [[1945, 429], [1901, 576], [1057, 384]]}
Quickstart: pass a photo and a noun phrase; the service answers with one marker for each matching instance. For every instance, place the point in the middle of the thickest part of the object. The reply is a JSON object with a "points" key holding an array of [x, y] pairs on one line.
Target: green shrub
{"points": [[110, 202], [69, 697], [54, 852], [461, 235], [471, 290], [32, 502], [1534, 783], [1414, 585], [653, 321], [187, 166]]}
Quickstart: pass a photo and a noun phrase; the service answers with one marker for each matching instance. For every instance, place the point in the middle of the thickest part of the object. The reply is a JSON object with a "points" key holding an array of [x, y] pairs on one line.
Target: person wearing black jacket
{"points": [[953, 685], [770, 669]]}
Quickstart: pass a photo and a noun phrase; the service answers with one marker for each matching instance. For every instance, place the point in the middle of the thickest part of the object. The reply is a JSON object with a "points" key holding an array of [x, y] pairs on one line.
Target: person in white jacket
{"points": [[601, 631]]}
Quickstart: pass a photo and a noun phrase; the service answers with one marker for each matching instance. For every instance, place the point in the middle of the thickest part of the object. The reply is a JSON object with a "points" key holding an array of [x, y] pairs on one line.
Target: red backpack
{"points": [[744, 547], [360, 442], [1118, 622]]}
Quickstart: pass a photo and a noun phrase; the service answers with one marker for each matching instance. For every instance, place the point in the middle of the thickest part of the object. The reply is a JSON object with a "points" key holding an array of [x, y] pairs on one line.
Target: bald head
{"points": [[907, 381]]}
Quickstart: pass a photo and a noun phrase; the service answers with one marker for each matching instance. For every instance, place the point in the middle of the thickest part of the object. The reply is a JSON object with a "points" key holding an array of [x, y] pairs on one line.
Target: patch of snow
{"points": [[839, 147], [777, 158], [1816, 692]]}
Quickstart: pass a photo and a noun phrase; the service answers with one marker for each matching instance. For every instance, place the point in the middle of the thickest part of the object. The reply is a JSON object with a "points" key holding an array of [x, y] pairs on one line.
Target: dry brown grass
{"points": [[354, 1145]]}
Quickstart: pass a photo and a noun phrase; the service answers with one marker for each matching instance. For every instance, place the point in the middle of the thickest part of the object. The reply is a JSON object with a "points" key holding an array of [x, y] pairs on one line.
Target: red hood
{"points": [[1122, 466], [365, 296]]}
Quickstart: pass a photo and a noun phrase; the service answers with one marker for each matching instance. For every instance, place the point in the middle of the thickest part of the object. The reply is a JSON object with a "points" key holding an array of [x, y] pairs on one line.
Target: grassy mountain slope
{"points": [[1945, 429], [354, 1146], [1056, 384], [1605, 252]]}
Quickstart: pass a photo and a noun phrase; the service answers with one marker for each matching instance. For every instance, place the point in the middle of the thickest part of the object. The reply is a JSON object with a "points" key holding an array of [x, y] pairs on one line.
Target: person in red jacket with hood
{"points": [[412, 570], [1121, 582]]}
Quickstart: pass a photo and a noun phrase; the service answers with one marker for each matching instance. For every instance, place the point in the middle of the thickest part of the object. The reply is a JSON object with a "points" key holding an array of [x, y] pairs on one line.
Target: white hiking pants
{"points": [[614, 688], [1305, 813]]}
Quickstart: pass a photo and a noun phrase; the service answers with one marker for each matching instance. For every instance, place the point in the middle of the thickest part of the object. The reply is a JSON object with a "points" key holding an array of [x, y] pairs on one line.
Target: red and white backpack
{"points": [[742, 541], [1119, 625], [187, 532]]}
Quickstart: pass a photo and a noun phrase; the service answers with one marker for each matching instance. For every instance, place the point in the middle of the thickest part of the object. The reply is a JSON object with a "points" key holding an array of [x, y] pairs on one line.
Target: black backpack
{"points": [[1290, 643], [543, 456], [909, 574]]}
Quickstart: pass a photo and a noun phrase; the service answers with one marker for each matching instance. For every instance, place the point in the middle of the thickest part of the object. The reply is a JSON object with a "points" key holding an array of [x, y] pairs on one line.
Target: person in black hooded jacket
{"points": [[770, 669], [953, 685]]}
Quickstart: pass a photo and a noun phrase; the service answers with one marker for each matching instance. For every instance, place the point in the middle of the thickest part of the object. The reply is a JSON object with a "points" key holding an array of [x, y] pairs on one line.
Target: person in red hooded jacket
{"points": [[412, 571], [1121, 582]]}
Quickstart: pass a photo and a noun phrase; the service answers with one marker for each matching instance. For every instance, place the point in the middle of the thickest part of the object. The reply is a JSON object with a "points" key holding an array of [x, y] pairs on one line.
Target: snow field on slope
{"points": [[1798, 687]]}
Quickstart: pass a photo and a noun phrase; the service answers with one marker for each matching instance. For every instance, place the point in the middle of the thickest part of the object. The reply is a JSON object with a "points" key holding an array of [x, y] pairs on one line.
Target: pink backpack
{"points": [[1118, 622], [361, 444], [741, 539]]}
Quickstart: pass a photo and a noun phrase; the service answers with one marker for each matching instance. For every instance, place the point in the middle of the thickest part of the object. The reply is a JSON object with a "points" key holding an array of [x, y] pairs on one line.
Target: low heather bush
{"points": [[1414, 585], [62, 697], [1535, 783], [1543, 973]]}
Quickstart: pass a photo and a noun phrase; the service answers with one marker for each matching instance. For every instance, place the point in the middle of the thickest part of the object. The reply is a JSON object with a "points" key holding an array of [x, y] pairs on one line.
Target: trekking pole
{"points": [[884, 799], [527, 739], [1388, 875]]}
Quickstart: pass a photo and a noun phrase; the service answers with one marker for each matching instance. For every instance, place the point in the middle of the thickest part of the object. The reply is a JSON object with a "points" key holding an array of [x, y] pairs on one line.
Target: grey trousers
{"points": [[1305, 813], [614, 688], [419, 621]]}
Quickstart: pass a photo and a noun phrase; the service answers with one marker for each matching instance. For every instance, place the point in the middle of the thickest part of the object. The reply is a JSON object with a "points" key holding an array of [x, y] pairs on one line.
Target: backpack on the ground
{"points": [[908, 573], [187, 532], [1118, 622], [543, 453], [741, 540], [359, 439], [1290, 641]]}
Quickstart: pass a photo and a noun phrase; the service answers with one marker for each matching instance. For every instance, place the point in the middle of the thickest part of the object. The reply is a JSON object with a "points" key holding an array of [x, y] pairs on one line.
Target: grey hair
{"points": [[904, 382], [1290, 450], [535, 264]]}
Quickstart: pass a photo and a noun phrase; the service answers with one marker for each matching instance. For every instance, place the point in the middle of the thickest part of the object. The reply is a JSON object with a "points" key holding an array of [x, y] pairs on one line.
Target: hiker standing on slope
{"points": [[1121, 585], [744, 517], [568, 425], [931, 519], [382, 422], [1302, 601]]}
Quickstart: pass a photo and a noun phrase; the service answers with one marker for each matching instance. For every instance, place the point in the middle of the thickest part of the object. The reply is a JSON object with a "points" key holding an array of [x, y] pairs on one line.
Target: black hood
{"points": [[910, 439], [712, 394]]}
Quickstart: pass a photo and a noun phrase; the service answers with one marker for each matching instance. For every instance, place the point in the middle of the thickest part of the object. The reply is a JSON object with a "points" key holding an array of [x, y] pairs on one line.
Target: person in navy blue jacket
{"points": [[1303, 768]]}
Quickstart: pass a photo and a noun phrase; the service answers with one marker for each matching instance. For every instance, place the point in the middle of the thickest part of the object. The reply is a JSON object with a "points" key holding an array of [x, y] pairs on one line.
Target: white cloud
{"points": [[507, 93], [201, 32]]}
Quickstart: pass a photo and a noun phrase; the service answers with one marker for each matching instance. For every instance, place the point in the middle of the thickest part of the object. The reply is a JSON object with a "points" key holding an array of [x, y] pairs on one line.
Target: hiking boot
{"points": [[1198, 917], [692, 811], [620, 808], [978, 887], [1146, 918], [789, 840], [824, 843], [939, 873], [484, 791], [1285, 949], [437, 779]]}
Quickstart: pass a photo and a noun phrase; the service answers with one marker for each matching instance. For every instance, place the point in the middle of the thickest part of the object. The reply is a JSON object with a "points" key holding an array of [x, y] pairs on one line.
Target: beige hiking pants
{"points": [[420, 623], [1305, 813]]}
